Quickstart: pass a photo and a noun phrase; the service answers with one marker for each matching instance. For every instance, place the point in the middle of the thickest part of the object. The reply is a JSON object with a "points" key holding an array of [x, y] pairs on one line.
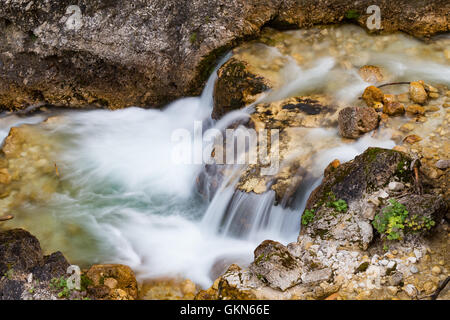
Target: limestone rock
{"points": [[274, 263]]}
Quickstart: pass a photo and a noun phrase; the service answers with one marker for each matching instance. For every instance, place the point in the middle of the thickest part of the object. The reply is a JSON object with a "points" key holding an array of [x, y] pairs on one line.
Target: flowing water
{"points": [[121, 198]]}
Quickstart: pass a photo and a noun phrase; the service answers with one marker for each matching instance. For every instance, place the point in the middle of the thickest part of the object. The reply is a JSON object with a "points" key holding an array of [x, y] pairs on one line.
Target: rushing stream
{"points": [[121, 199]]}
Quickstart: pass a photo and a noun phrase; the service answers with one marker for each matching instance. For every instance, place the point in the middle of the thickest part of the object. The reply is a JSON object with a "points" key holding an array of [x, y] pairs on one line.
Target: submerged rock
{"points": [[355, 121]]}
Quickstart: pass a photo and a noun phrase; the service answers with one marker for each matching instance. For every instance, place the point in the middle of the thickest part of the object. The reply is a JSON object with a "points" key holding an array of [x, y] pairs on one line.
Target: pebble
{"points": [[414, 269], [396, 278], [396, 186], [384, 262], [429, 287], [410, 290], [392, 290], [391, 264], [417, 92], [412, 259], [436, 270], [407, 127], [374, 259], [443, 164], [418, 253]]}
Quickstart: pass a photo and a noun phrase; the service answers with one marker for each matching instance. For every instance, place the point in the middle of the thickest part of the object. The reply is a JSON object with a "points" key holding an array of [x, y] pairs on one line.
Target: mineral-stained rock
{"points": [[417, 92], [372, 95], [273, 263], [355, 121], [415, 109], [126, 288]]}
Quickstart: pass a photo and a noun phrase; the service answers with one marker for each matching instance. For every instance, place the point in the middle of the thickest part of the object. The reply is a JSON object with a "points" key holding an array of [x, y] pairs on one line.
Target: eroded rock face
{"points": [[113, 54]]}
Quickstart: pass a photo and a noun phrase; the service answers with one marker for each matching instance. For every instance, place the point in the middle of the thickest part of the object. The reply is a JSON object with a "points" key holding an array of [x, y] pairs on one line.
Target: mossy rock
{"points": [[371, 170], [235, 87]]}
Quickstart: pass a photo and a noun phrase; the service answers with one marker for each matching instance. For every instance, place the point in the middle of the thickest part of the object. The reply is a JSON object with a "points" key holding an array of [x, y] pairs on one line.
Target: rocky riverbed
{"points": [[363, 122]]}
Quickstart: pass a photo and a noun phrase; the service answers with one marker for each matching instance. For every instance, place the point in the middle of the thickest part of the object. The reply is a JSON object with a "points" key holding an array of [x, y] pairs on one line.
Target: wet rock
{"points": [[372, 74], [236, 87], [394, 108], [355, 121], [125, 289], [331, 167], [415, 109], [417, 92], [274, 263], [373, 95], [412, 138], [19, 251]]}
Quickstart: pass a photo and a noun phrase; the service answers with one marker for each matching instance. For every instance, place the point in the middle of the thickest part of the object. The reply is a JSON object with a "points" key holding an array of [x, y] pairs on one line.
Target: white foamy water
{"points": [[123, 199]]}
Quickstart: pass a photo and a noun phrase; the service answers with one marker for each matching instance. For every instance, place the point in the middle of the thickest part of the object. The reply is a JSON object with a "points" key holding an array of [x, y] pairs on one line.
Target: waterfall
{"points": [[122, 199]]}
